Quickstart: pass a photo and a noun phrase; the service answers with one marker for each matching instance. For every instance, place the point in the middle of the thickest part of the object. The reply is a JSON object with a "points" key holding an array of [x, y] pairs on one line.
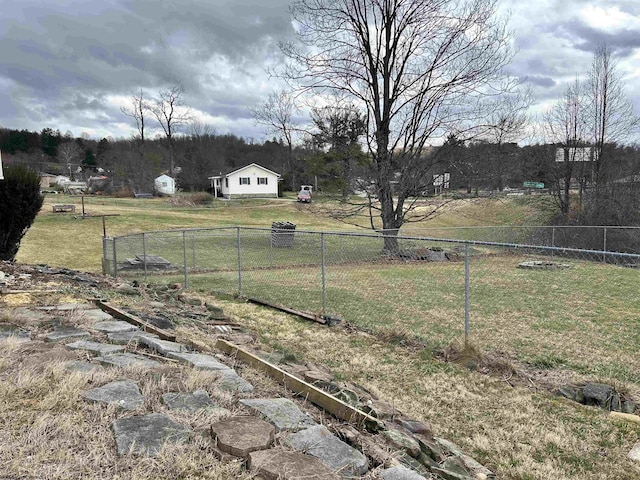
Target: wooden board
{"points": [[316, 396], [127, 317]]}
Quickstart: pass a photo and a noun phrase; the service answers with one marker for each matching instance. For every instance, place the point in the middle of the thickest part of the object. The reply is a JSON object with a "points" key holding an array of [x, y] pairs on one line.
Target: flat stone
{"points": [[414, 426], [31, 316], [400, 472], [15, 333], [95, 347], [334, 453], [163, 347], [97, 315], [597, 394], [191, 402], [125, 394], [313, 376], [634, 454], [67, 307], [273, 358], [281, 412], [199, 361], [147, 434], [124, 338], [60, 334], [127, 360], [282, 465], [114, 326], [469, 463], [84, 367], [402, 441], [233, 382], [241, 435]]}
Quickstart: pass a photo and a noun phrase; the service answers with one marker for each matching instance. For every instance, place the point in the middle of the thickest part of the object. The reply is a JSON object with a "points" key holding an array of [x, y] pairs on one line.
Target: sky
{"points": [[72, 64]]}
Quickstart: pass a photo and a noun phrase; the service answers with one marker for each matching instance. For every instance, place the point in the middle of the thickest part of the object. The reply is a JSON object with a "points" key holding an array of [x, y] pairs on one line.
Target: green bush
{"points": [[20, 201]]}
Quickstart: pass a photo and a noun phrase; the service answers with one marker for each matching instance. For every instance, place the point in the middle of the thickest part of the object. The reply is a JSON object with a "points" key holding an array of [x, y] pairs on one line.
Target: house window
{"points": [[226, 182], [262, 181], [245, 181]]}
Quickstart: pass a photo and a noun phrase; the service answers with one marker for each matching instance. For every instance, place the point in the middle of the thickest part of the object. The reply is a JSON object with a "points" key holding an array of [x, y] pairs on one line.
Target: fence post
{"points": [[193, 251], [239, 262], [184, 258], [467, 261], [104, 254], [115, 261], [144, 256], [324, 286], [553, 239], [604, 244]]}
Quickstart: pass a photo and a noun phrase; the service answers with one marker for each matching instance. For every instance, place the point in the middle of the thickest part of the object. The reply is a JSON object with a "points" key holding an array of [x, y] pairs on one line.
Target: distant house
{"points": [[252, 180], [165, 185], [47, 179]]}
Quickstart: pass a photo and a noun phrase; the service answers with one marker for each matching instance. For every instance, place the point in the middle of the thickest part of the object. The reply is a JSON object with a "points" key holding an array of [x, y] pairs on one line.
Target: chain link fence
{"points": [[511, 297]]}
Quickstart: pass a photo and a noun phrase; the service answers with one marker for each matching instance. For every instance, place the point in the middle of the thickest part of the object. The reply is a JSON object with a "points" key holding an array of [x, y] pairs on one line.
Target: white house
{"points": [[250, 181], [165, 185]]}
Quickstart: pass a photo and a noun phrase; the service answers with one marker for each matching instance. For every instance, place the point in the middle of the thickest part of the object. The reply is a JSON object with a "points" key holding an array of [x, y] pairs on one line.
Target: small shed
{"points": [[165, 185], [252, 180]]}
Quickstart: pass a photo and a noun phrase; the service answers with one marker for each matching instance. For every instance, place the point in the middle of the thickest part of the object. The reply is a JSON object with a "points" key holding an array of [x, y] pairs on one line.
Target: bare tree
{"points": [[612, 113], [137, 110], [567, 125], [171, 114], [419, 69], [277, 114], [68, 154]]}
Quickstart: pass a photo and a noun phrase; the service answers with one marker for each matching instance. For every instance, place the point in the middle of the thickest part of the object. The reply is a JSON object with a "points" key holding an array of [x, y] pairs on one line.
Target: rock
{"points": [[156, 304], [281, 412], [402, 441], [615, 405], [190, 402], [126, 289], [14, 333], [430, 448], [199, 361], [241, 435], [124, 338], [628, 406], [163, 347], [95, 347], [471, 464], [84, 367], [147, 434], [114, 326], [282, 465], [212, 308], [414, 426], [233, 382], [455, 465], [125, 394], [334, 453], [348, 396], [567, 392], [411, 463], [97, 315], [634, 454], [60, 334], [400, 472], [315, 376], [127, 360], [447, 475], [598, 394]]}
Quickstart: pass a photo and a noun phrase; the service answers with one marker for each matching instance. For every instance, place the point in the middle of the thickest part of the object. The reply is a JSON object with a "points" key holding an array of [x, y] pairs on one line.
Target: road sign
{"points": [[533, 185]]}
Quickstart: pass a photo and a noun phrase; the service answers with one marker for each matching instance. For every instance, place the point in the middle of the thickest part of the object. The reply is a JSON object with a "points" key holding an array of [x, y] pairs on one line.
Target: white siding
{"points": [[252, 172]]}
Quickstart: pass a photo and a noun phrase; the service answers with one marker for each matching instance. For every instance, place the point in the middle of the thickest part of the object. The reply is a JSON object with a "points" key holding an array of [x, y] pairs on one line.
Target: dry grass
{"points": [[521, 432]]}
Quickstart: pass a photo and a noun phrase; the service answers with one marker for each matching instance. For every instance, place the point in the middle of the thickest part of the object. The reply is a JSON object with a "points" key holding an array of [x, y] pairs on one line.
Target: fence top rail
{"points": [[471, 227], [379, 235]]}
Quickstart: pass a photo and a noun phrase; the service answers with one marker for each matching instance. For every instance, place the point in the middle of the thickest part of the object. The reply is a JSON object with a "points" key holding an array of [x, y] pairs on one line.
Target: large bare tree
{"points": [[277, 114], [418, 68], [171, 113], [613, 119]]}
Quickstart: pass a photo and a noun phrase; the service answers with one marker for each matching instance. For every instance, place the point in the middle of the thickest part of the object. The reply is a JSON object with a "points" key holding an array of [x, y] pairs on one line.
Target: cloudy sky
{"points": [[72, 64]]}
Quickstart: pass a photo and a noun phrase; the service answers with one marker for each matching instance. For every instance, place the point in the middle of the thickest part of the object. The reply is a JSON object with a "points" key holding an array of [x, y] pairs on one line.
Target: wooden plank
{"points": [[309, 316], [127, 317], [319, 397], [625, 416]]}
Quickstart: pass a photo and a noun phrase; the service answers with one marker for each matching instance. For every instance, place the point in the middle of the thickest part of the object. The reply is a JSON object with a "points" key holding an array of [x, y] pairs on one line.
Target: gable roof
{"points": [[236, 170]]}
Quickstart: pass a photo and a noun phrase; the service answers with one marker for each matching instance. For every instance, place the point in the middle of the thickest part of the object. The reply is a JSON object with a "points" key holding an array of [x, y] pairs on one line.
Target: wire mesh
{"points": [[522, 298]]}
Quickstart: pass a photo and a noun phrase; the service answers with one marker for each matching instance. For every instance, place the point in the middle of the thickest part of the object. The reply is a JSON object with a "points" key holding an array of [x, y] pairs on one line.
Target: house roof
{"points": [[236, 170]]}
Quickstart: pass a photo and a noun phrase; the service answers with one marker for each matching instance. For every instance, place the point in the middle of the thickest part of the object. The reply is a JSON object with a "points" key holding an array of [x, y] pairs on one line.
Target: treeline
{"points": [[199, 155]]}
